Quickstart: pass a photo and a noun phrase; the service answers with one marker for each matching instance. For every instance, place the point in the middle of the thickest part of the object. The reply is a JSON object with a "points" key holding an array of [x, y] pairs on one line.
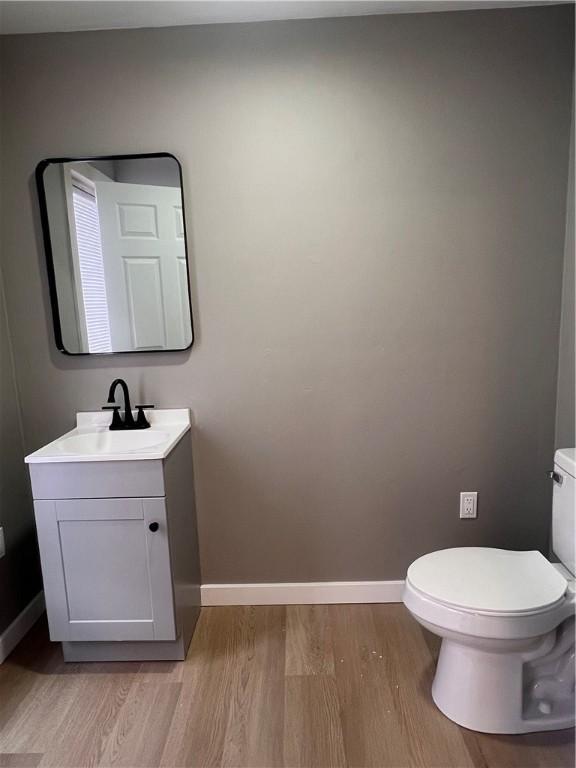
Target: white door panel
{"points": [[138, 220], [142, 235], [178, 222], [146, 309]]}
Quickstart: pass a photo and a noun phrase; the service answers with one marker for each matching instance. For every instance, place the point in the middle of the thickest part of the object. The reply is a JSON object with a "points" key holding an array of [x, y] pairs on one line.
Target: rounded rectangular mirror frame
{"points": [[51, 273]]}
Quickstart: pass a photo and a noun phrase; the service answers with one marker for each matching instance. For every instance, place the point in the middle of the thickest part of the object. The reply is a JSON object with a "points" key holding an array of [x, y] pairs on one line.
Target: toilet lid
{"points": [[488, 580]]}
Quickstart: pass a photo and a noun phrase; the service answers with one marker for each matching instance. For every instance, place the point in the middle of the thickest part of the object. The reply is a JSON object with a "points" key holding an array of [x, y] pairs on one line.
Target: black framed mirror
{"points": [[115, 238]]}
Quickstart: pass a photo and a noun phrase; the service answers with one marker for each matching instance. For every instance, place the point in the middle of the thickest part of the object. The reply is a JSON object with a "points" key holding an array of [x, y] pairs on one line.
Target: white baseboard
{"points": [[25, 620], [305, 593]]}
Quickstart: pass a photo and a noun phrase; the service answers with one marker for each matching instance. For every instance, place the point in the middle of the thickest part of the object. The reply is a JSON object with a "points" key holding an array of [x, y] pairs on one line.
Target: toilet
{"points": [[506, 620]]}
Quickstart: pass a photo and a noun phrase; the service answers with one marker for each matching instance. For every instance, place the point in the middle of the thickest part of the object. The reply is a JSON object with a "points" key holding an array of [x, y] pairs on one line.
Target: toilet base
{"points": [[508, 691]]}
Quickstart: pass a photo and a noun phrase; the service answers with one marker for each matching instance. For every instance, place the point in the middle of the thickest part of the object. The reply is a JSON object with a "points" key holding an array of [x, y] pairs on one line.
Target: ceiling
{"points": [[32, 16]]}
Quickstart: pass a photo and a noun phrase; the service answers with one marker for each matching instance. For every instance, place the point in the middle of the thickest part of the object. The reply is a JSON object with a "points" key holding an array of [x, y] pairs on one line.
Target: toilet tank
{"points": [[563, 511]]}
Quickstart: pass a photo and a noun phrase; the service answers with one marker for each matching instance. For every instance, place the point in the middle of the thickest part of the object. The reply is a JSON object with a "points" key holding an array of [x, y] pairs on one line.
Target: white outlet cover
{"points": [[468, 504]]}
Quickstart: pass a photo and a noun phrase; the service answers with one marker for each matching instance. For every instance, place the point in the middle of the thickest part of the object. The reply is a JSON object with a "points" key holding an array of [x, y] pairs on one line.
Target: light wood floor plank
{"points": [[256, 709], [532, 750], [313, 728], [196, 735], [370, 719], [432, 740], [20, 673], [161, 672], [82, 736], [139, 733], [308, 640], [20, 760], [41, 714]]}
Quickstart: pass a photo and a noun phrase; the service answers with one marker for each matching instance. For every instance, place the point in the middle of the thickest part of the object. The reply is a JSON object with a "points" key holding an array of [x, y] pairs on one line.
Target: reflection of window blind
{"points": [[91, 271]]}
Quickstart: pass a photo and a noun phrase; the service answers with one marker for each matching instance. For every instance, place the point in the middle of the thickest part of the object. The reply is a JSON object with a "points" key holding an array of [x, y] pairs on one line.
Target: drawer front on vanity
{"points": [[97, 479], [106, 568]]}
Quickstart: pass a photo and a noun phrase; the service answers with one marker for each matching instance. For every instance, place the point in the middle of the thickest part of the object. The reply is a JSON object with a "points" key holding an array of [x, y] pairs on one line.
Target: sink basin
{"points": [[93, 441], [99, 443]]}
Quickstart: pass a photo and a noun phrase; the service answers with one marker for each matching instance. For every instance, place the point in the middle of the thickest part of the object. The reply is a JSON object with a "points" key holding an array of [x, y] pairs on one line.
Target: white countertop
{"points": [[92, 440]]}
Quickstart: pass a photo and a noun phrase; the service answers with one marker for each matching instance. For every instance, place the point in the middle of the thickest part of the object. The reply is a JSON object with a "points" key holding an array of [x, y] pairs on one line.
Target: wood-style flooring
{"points": [[343, 685]]}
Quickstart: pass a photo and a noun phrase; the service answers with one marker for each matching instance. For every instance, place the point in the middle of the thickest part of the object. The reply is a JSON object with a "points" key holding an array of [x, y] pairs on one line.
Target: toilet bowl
{"points": [[506, 620]]}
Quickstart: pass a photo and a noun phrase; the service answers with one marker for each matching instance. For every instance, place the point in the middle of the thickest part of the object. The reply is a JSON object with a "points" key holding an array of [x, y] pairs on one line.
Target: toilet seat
{"points": [[490, 581], [500, 594]]}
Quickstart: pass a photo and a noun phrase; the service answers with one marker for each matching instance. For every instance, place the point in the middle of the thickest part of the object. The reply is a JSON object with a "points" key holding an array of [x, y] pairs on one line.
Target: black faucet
{"points": [[128, 422]]}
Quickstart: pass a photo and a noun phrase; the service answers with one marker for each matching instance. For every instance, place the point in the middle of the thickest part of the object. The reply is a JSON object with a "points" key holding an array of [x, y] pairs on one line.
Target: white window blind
{"points": [[91, 270]]}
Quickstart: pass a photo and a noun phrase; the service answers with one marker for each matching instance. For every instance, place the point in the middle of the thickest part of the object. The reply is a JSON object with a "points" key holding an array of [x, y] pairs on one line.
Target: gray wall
{"points": [[565, 411], [19, 569], [376, 211]]}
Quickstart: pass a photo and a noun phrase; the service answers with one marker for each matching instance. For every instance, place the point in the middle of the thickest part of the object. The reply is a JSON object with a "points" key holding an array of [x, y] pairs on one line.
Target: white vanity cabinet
{"points": [[107, 575], [119, 553]]}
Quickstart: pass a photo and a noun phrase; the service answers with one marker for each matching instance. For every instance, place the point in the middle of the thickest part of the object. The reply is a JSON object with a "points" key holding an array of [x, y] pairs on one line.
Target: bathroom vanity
{"points": [[116, 524]]}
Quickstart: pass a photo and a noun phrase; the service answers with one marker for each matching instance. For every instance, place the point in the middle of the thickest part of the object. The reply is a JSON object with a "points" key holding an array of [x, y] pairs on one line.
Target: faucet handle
{"points": [[141, 420], [117, 422]]}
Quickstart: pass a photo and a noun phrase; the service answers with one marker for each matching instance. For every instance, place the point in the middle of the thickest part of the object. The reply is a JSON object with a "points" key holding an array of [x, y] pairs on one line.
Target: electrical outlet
{"points": [[2, 544], [468, 504]]}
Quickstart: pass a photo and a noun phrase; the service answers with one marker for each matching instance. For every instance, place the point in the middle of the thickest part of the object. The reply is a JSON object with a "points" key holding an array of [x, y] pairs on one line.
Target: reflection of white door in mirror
{"points": [[144, 258], [116, 253]]}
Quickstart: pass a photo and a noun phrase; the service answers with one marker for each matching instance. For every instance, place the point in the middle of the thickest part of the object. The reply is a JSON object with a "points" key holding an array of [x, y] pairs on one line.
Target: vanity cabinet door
{"points": [[106, 569]]}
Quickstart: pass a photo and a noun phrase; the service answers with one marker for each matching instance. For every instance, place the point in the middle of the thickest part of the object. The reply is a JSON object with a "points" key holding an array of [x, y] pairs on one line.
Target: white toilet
{"points": [[506, 620]]}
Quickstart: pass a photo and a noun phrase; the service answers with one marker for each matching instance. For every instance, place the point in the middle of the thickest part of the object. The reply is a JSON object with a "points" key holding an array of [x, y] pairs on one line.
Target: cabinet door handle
{"points": [[153, 527]]}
